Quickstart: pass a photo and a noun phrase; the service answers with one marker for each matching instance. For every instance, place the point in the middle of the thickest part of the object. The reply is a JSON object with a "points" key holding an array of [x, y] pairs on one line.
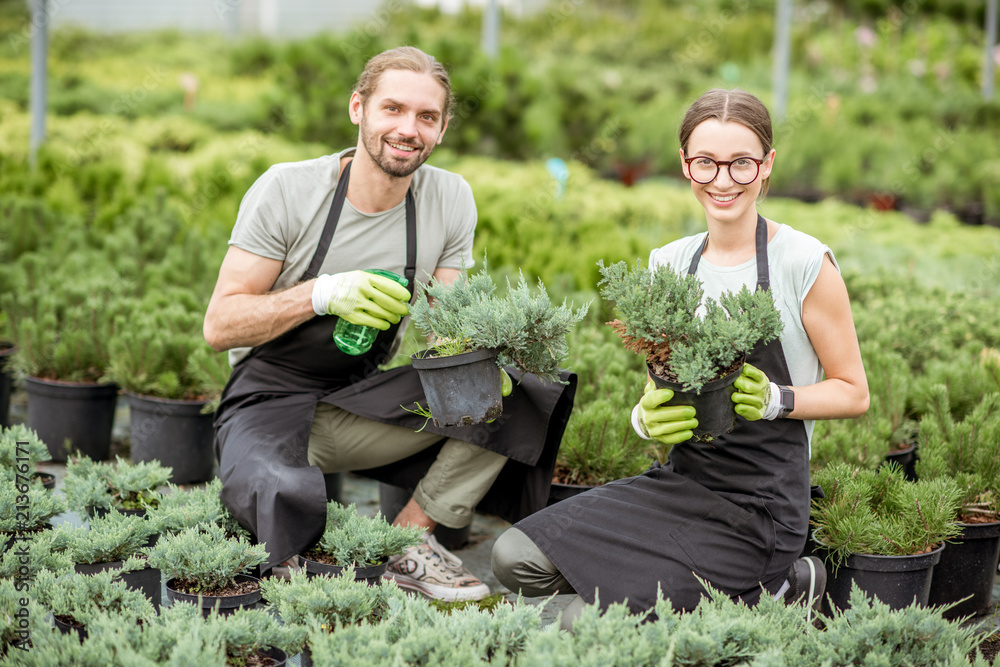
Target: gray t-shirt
{"points": [[283, 213], [794, 260]]}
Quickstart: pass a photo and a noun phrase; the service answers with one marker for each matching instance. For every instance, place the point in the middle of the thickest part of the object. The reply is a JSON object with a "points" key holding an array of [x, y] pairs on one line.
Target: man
{"points": [[296, 406]]}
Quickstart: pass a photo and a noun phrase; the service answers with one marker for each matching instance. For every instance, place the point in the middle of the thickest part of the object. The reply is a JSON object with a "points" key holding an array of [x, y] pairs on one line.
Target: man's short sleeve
{"points": [[461, 230], [262, 222]]}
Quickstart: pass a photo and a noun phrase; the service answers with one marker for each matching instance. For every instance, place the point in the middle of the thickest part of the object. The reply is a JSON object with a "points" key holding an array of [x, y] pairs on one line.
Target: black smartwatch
{"points": [[786, 401]]}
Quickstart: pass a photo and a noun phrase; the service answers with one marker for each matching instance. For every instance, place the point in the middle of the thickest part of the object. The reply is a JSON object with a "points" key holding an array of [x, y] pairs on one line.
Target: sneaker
{"points": [[431, 569], [806, 579], [286, 569]]}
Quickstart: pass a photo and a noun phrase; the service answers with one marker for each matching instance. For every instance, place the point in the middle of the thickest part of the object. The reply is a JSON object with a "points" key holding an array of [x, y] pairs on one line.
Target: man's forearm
{"points": [[247, 320]]}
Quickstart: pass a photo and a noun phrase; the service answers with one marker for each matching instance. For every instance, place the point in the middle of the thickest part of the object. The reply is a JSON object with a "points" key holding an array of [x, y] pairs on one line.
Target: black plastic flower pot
{"points": [[175, 433], [279, 657], [461, 390], [906, 459], [147, 581], [48, 480], [78, 414], [713, 405], [559, 491], [6, 382], [898, 581], [70, 628], [11, 540], [227, 604], [392, 499], [967, 567], [371, 574]]}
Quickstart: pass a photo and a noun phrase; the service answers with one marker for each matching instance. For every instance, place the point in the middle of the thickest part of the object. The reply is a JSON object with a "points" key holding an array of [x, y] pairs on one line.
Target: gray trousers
{"points": [[458, 479], [521, 566]]}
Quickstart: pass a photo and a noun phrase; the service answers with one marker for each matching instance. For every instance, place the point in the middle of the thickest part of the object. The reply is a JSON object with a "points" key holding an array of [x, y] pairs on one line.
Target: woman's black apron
{"points": [[265, 416], [734, 512]]}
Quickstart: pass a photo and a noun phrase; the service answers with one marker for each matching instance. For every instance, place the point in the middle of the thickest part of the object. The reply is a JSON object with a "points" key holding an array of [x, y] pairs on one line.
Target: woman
{"points": [[734, 513]]}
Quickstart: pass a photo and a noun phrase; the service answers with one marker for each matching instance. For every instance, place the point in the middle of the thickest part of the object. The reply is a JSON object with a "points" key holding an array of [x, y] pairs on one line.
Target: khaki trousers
{"points": [[458, 479]]}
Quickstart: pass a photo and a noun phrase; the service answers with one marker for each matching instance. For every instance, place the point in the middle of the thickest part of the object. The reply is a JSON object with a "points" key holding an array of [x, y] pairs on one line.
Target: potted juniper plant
{"points": [[202, 563], [180, 509], [330, 602], [61, 325], [107, 543], [473, 333], [694, 346], [95, 487], [76, 599], [25, 509], [967, 450], [881, 532], [171, 379], [364, 543], [20, 446]]}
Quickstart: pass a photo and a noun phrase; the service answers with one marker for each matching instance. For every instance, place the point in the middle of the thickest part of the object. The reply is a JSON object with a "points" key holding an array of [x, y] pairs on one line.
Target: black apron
{"points": [[734, 512], [265, 416]]}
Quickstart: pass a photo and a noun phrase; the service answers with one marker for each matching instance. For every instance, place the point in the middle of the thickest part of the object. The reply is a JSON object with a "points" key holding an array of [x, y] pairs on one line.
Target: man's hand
{"points": [[668, 424], [361, 298], [753, 393]]}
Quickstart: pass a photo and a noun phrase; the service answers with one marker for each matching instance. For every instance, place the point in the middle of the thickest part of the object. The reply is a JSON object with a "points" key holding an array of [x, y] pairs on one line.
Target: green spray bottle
{"points": [[356, 339]]}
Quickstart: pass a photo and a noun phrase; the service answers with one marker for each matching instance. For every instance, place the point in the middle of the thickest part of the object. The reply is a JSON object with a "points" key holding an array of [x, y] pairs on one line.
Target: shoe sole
{"points": [[443, 593]]}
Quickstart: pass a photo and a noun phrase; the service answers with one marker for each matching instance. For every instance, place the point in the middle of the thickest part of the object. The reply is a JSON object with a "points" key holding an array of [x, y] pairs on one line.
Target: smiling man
{"points": [[296, 406]]}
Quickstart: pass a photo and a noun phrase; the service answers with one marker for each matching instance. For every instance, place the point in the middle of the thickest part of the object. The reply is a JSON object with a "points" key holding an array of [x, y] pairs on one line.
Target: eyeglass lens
{"points": [[742, 171]]}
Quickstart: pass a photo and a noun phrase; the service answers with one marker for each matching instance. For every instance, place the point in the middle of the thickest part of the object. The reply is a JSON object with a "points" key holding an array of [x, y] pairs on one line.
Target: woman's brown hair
{"points": [[725, 106]]}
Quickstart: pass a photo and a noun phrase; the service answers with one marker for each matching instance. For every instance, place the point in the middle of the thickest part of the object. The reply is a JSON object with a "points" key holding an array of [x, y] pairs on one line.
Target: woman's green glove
{"points": [[668, 424], [506, 386], [753, 393]]}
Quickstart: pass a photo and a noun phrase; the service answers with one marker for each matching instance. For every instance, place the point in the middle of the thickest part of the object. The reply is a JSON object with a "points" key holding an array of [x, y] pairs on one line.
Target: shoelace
{"points": [[450, 560]]}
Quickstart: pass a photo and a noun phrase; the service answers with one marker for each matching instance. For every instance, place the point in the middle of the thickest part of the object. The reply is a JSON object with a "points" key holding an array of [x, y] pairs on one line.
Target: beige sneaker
{"points": [[286, 569], [431, 569]]}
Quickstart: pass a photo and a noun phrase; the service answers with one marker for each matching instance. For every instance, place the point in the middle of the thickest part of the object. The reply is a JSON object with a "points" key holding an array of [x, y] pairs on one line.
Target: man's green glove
{"points": [[361, 298], [669, 424], [506, 385], [753, 393]]}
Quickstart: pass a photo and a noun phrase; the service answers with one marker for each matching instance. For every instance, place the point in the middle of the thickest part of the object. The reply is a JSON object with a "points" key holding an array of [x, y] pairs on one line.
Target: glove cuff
{"points": [[637, 424], [321, 294], [773, 408]]}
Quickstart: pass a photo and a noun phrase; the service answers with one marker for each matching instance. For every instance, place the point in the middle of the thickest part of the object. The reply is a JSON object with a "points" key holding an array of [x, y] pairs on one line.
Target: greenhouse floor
{"points": [[364, 494]]}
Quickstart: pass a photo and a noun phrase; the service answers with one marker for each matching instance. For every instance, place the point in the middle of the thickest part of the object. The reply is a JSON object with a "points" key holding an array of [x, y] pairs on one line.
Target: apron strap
{"points": [[760, 243], [333, 217]]}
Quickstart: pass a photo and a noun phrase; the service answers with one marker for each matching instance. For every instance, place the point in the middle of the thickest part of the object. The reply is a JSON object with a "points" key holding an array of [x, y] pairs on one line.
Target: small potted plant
{"points": [[95, 487], [75, 599], [180, 509], [882, 532], [61, 327], [106, 543], [171, 379], [20, 446], [968, 451], [364, 543], [25, 510], [474, 333], [254, 637], [331, 602], [202, 563], [694, 346]]}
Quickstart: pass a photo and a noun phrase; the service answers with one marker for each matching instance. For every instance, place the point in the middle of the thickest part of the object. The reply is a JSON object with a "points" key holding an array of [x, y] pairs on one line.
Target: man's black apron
{"points": [[734, 512], [265, 416]]}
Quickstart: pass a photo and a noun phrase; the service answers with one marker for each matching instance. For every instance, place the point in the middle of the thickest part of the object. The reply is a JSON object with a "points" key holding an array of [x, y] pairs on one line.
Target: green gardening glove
{"points": [[668, 424], [506, 386], [753, 393], [361, 298]]}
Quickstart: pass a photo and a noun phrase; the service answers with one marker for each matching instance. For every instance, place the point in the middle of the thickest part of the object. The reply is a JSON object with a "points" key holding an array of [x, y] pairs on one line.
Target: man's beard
{"points": [[388, 163]]}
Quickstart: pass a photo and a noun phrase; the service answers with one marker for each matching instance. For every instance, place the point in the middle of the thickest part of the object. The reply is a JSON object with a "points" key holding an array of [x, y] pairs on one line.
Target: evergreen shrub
{"points": [[84, 597], [203, 559], [527, 331], [352, 539], [106, 539], [661, 319], [181, 508], [91, 485]]}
